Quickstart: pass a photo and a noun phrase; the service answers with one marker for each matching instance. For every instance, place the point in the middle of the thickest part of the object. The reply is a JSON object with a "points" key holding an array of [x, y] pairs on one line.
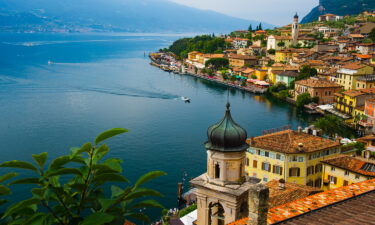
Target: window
{"points": [[258, 152], [267, 154], [278, 170], [310, 170], [318, 182], [356, 176], [318, 168], [310, 183], [346, 183], [332, 179], [255, 164], [217, 171], [332, 168], [251, 150], [265, 179], [301, 158], [294, 172], [346, 173], [278, 156], [261, 153], [272, 155], [247, 161], [293, 158], [266, 166], [310, 156]]}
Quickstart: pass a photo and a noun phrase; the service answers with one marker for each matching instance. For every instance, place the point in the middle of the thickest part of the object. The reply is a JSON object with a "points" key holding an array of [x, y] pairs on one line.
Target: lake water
{"points": [[97, 82]]}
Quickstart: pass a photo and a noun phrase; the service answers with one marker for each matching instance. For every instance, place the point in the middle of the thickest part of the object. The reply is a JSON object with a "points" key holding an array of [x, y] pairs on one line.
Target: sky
{"points": [[276, 12]]}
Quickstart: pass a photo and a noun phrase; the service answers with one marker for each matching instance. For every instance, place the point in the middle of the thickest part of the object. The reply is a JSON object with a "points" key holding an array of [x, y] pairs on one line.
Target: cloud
{"points": [[278, 12]]}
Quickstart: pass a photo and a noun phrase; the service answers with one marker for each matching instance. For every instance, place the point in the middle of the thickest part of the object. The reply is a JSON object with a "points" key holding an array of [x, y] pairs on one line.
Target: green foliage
{"points": [[306, 72], [279, 86], [271, 51], [283, 94], [332, 125], [281, 44], [187, 210], [71, 189], [217, 63], [303, 99], [250, 28], [233, 78], [253, 77], [203, 43]]}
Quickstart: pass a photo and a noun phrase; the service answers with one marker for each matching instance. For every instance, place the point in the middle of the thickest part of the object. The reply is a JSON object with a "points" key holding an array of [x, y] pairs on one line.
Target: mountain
{"points": [[339, 7], [113, 15]]}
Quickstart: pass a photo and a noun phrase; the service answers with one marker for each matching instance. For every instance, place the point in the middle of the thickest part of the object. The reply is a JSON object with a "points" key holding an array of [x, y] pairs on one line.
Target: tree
{"points": [[260, 26], [372, 35], [306, 72], [332, 125], [71, 189], [281, 44], [217, 63], [271, 51], [250, 28], [303, 99]]}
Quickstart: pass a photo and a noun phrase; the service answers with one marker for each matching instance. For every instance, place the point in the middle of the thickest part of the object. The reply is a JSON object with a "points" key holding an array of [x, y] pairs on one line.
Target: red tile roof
{"points": [[317, 83], [352, 164]]}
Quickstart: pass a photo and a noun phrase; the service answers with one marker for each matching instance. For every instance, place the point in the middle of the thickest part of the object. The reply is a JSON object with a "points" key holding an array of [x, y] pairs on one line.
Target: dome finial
{"points": [[228, 106]]}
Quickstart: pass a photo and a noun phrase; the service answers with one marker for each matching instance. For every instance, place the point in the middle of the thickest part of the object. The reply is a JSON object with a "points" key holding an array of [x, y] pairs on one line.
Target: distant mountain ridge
{"points": [[113, 15], [339, 7]]}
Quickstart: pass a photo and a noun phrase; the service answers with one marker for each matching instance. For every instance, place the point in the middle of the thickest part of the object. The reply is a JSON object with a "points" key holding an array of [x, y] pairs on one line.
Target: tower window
{"points": [[217, 171]]}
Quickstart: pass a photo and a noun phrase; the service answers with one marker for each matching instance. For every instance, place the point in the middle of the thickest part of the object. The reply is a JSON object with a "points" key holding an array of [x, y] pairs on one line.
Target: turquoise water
{"points": [[97, 82]]}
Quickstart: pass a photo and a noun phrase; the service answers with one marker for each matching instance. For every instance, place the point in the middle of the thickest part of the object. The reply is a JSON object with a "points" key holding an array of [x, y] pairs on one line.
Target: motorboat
{"points": [[185, 99], [50, 62]]}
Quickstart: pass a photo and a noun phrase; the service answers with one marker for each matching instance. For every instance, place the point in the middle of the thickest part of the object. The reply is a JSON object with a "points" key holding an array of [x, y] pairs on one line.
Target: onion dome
{"points": [[226, 135], [296, 16]]}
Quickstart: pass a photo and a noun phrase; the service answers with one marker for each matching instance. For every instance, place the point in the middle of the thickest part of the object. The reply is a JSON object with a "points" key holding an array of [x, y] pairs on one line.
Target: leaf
{"points": [[7, 176], [142, 192], [108, 134], [106, 203], [101, 152], [38, 192], [59, 162], [20, 205], [102, 168], [36, 219], [2, 202], [98, 218], [112, 177], [4, 190], [147, 204], [40, 159], [116, 191], [114, 164], [19, 165], [64, 171], [148, 176], [32, 180], [85, 148]]}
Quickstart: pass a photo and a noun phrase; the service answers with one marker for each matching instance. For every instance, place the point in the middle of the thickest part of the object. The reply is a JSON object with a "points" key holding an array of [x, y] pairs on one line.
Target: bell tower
{"points": [[295, 29], [223, 191]]}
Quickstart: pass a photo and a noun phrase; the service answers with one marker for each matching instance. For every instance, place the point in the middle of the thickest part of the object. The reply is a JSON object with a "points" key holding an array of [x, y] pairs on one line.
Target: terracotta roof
{"points": [[368, 90], [366, 138], [339, 202], [213, 55], [353, 66], [356, 35], [288, 142], [236, 56], [364, 56], [353, 93], [352, 164], [317, 83], [286, 73], [290, 193]]}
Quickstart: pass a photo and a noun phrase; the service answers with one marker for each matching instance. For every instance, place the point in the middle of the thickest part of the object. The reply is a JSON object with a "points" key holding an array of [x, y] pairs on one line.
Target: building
{"points": [[369, 142], [366, 81], [347, 101], [365, 48], [224, 193], [290, 155], [238, 43], [345, 170], [295, 30], [287, 77], [353, 204], [317, 87], [347, 75], [242, 60], [329, 17], [278, 42]]}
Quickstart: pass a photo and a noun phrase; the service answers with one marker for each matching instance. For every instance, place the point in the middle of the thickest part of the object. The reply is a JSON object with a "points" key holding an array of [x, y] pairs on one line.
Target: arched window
{"points": [[217, 171], [216, 214]]}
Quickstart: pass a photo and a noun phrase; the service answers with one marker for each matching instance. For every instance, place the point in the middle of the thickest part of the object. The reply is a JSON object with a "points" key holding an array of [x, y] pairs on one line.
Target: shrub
{"points": [[187, 210]]}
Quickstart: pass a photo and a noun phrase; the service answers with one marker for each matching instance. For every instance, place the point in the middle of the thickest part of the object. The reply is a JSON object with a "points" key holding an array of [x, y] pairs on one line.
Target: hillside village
{"points": [[286, 176]]}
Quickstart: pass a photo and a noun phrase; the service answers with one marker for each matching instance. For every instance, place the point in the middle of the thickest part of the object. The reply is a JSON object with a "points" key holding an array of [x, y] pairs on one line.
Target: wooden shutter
{"points": [[312, 169], [255, 163], [281, 170], [298, 172], [335, 178], [290, 172], [269, 167]]}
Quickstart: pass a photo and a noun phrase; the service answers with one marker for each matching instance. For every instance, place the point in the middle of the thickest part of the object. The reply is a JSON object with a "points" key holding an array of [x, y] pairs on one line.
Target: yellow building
{"points": [[261, 74], [236, 60], [348, 74], [366, 81], [192, 56], [290, 155], [345, 170], [350, 102], [278, 67], [284, 55]]}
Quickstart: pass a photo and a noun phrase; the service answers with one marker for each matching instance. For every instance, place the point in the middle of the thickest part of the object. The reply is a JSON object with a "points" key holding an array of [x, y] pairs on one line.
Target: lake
{"points": [[99, 81]]}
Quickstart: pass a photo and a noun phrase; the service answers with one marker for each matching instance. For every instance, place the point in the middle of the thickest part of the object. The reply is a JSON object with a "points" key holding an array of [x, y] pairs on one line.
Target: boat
{"points": [[49, 62], [185, 99]]}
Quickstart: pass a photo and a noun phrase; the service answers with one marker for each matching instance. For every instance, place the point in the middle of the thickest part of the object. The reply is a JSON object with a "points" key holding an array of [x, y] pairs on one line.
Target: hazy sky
{"points": [[277, 12]]}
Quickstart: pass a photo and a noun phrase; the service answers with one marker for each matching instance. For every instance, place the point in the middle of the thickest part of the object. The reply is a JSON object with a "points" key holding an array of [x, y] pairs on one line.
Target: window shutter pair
{"points": [[281, 171]]}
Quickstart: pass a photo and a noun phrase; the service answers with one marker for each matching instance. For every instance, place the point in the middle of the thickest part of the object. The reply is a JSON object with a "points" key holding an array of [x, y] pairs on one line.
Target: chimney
{"points": [[281, 184], [299, 129], [258, 204], [300, 147]]}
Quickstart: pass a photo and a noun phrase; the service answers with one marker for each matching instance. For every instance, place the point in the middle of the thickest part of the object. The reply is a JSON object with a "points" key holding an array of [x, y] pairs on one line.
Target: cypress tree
{"points": [[250, 28]]}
